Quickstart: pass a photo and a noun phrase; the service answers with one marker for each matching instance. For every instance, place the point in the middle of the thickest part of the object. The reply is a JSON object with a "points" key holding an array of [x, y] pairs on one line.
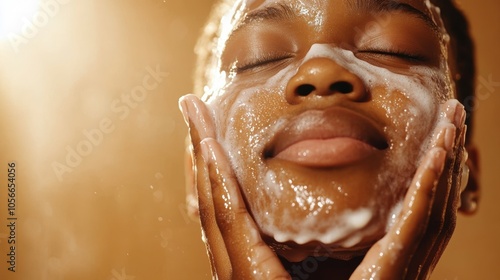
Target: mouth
{"points": [[327, 138]]}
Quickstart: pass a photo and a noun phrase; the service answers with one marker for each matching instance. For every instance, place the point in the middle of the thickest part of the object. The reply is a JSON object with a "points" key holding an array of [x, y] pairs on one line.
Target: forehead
{"points": [[422, 5], [317, 12], [318, 8]]}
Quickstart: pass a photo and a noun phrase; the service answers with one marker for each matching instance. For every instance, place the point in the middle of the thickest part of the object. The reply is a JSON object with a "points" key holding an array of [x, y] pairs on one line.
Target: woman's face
{"points": [[325, 108]]}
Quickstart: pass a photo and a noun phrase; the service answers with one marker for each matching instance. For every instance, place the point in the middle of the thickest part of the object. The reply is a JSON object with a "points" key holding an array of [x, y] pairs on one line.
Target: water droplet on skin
{"points": [[392, 82]]}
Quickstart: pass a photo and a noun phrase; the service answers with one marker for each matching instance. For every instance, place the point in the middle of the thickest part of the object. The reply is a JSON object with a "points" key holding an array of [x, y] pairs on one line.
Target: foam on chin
{"points": [[346, 222], [349, 227]]}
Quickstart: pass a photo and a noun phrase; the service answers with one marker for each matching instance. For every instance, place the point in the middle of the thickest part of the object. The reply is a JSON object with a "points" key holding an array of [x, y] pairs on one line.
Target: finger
{"points": [[219, 259], [197, 117], [418, 203], [437, 229], [426, 180], [389, 257], [250, 257], [411, 243], [200, 124], [442, 218], [444, 213]]}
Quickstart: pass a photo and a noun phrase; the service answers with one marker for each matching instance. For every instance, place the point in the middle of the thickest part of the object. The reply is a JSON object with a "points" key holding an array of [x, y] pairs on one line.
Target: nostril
{"points": [[304, 90], [342, 87]]}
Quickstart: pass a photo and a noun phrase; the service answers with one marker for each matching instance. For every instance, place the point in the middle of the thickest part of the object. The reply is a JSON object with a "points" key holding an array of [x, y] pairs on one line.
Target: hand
{"points": [[233, 241], [410, 250], [412, 247]]}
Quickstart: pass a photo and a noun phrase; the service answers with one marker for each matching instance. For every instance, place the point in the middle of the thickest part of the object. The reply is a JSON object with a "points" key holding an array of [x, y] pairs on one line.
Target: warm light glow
{"points": [[16, 14]]}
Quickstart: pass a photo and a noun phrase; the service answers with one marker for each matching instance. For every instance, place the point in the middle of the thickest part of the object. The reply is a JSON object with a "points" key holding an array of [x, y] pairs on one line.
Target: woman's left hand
{"points": [[413, 246]]}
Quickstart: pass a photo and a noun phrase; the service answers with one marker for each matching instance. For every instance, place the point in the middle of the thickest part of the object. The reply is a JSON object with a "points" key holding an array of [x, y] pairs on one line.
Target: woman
{"points": [[329, 143]]}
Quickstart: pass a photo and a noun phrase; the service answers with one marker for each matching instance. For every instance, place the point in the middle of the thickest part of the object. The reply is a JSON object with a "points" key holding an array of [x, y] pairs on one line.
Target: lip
{"points": [[327, 138]]}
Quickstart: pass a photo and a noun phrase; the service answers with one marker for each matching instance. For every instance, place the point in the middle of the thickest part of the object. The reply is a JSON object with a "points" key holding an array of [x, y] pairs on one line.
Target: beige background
{"points": [[116, 210]]}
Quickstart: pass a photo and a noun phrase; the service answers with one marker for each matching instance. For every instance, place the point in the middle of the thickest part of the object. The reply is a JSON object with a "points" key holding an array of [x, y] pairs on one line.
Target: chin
{"points": [[293, 252], [345, 235], [301, 216]]}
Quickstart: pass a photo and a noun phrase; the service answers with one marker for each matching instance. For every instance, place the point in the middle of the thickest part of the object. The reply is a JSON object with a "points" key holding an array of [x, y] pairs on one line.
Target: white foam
{"points": [[394, 214], [418, 88], [323, 223], [345, 225]]}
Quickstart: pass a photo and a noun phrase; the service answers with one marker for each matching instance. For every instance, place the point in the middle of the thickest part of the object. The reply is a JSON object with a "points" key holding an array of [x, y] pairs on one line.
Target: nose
{"points": [[324, 77]]}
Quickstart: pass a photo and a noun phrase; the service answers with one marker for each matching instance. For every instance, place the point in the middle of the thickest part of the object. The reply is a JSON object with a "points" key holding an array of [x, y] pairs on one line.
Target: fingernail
{"points": [[459, 117], [189, 107], [445, 137], [195, 112], [450, 110], [454, 112]]}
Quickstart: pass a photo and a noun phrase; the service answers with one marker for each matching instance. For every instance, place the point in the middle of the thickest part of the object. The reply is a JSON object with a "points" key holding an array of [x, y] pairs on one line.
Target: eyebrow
{"points": [[285, 12], [393, 6], [272, 12]]}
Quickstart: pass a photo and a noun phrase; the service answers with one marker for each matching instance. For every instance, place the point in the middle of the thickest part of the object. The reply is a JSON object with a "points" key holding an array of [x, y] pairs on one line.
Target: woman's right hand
{"points": [[233, 241]]}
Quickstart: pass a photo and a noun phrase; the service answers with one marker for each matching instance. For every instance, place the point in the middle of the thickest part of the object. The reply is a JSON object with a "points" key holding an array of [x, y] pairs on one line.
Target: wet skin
{"points": [[326, 111]]}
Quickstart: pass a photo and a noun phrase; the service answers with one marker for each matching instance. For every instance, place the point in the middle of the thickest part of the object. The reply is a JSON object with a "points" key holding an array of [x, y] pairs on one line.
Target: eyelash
{"points": [[397, 53], [264, 60], [261, 61]]}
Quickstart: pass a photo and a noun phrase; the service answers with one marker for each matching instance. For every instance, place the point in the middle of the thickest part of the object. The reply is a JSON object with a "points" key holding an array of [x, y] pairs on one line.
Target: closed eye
{"points": [[399, 54], [262, 61]]}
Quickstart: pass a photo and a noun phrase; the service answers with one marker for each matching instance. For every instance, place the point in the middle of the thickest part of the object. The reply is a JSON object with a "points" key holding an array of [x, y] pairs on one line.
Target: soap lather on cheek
{"points": [[420, 89]]}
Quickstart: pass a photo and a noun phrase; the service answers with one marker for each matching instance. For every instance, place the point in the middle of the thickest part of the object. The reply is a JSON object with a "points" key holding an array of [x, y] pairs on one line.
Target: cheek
{"points": [[245, 122], [409, 123], [411, 106], [248, 109], [411, 114]]}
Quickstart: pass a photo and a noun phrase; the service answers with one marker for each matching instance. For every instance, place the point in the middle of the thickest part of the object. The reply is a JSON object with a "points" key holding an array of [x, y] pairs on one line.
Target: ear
{"points": [[470, 195], [190, 173]]}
